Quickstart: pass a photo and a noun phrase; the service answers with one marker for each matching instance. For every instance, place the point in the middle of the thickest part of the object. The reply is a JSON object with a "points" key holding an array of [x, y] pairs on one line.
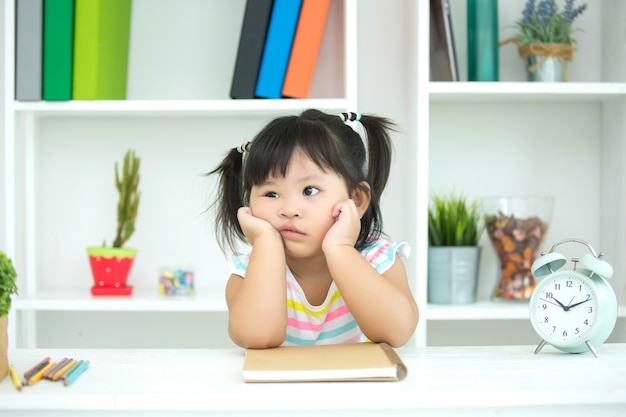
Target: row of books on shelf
{"points": [[71, 49], [78, 49], [278, 48]]}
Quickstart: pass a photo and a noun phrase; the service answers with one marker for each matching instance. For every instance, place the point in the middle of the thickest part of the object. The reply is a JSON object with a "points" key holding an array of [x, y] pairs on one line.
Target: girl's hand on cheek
{"points": [[345, 230], [253, 226]]}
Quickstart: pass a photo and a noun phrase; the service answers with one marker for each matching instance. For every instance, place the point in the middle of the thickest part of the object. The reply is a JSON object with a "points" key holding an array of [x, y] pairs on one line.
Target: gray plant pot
{"points": [[453, 274]]}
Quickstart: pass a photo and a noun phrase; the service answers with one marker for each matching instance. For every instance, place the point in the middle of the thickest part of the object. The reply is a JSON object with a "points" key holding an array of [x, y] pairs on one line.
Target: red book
{"points": [[306, 46]]}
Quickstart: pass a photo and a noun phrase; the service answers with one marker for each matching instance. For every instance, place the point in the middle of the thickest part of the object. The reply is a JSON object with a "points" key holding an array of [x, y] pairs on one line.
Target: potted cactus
{"points": [[110, 265], [7, 289]]}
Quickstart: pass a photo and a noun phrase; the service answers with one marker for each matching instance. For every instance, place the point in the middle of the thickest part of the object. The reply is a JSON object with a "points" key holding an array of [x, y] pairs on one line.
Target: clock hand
{"points": [[579, 303], [550, 302], [564, 307]]}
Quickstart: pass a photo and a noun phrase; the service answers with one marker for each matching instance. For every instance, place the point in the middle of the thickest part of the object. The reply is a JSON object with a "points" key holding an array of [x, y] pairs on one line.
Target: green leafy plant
{"points": [[454, 221], [7, 283], [543, 22], [127, 183]]}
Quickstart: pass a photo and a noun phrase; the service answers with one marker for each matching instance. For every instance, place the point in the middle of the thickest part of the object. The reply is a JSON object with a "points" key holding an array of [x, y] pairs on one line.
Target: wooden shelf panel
{"points": [[485, 310], [524, 91], [138, 302], [177, 108]]}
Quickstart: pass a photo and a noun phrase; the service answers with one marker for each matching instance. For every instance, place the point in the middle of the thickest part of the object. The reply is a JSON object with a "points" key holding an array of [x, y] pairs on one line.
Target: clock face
{"points": [[565, 308]]}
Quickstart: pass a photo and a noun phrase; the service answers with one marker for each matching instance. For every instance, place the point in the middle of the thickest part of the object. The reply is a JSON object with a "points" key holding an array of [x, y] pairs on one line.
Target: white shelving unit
{"points": [[517, 138], [56, 146], [504, 138]]}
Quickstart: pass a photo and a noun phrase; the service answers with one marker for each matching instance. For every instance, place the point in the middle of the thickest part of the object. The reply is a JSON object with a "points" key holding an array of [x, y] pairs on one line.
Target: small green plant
{"points": [[543, 22], [454, 221], [127, 183], [7, 283]]}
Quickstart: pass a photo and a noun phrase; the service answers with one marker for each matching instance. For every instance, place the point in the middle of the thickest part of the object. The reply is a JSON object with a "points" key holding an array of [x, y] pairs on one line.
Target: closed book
{"points": [[58, 39], [28, 49], [305, 49], [278, 42], [251, 43], [347, 362], [101, 37], [443, 63]]}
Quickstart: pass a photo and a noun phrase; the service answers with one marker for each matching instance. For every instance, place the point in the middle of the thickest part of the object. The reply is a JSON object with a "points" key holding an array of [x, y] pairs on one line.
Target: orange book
{"points": [[305, 49]]}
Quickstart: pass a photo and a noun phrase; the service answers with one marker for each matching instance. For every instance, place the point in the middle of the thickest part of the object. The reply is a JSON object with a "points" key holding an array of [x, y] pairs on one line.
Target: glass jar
{"points": [[516, 227]]}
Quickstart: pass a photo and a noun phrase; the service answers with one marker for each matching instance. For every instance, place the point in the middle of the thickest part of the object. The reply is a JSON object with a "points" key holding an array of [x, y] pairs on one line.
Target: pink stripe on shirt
{"points": [[305, 325]]}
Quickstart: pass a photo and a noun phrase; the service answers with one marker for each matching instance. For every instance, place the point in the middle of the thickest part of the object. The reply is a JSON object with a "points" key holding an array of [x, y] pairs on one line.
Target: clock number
{"points": [[590, 310], [548, 294], [577, 331], [544, 306], [557, 286], [569, 284], [564, 333]]}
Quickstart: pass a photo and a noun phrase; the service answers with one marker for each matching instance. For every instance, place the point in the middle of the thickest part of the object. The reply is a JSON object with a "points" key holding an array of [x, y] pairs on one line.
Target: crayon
{"points": [[15, 379], [75, 373], [35, 378]]}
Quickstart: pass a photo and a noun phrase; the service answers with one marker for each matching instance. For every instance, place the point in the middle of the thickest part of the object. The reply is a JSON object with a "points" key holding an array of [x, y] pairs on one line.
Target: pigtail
{"points": [[230, 199], [379, 151]]}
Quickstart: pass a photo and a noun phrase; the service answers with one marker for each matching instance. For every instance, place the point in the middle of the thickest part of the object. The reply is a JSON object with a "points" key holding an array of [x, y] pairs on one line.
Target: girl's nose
{"points": [[289, 210]]}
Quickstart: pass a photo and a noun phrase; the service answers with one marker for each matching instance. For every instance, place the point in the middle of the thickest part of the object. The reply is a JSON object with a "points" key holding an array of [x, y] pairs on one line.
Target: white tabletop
{"points": [[441, 381]]}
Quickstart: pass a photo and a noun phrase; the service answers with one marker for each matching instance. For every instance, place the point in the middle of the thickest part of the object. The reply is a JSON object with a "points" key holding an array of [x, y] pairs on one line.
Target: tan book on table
{"points": [[347, 362]]}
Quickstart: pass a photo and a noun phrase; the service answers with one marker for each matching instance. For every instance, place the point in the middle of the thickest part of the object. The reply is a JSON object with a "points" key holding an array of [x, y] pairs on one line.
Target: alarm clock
{"points": [[574, 310]]}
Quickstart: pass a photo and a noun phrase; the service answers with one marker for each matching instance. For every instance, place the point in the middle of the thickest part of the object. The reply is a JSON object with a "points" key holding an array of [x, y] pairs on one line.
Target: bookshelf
{"points": [[58, 157], [180, 129], [517, 138]]}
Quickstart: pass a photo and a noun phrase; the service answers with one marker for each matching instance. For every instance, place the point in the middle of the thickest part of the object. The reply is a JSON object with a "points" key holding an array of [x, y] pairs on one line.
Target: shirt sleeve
{"points": [[382, 254], [239, 264]]}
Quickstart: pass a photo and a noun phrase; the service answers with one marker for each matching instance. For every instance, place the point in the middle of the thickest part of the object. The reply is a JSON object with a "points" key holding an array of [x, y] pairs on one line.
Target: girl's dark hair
{"points": [[328, 142]]}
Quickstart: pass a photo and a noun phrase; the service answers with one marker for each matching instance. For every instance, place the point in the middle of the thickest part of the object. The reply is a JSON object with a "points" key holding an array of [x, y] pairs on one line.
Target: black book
{"points": [[443, 65], [251, 43]]}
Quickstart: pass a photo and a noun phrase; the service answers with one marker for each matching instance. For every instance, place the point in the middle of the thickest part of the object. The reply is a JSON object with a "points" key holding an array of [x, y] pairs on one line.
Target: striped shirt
{"points": [[331, 322]]}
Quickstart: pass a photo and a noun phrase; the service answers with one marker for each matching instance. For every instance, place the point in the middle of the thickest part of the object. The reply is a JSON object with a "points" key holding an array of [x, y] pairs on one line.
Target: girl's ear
{"points": [[361, 197]]}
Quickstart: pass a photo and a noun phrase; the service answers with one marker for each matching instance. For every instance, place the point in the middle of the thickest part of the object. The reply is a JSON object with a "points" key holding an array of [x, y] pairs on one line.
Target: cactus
{"points": [[127, 183]]}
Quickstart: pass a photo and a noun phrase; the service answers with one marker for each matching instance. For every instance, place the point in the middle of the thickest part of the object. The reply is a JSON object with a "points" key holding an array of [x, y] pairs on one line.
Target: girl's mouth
{"points": [[291, 233]]}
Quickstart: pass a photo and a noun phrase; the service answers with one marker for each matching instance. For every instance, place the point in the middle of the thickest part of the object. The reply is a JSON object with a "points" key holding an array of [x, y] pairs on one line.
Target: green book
{"points": [[101, 37], [58, 34]]}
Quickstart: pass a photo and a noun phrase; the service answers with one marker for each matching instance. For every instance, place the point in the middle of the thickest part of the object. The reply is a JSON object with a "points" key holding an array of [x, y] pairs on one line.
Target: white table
{"points": [[472, 381]]}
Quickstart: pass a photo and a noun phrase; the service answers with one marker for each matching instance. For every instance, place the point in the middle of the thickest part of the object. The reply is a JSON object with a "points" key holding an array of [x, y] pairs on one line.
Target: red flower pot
{"points": [[110, 268]]}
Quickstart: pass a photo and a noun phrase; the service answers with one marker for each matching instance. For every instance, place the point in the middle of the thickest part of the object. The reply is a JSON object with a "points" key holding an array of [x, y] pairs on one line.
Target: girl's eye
{"points": [[271, 194], [310, 191]]}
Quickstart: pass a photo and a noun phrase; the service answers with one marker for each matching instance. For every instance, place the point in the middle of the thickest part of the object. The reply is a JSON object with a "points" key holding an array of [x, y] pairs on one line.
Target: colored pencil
{"points": [[61, 372], [15, 379], [75, 373], [48, 374], [32, 371], [35, 378]]}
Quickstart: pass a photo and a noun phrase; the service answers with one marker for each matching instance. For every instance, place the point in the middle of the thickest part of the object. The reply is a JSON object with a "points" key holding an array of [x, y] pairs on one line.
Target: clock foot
{"points": [[591, 348], [540, 346]]}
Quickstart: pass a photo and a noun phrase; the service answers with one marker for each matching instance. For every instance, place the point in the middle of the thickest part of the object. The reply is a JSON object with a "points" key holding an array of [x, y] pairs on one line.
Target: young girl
{"points": [[305, 195]]}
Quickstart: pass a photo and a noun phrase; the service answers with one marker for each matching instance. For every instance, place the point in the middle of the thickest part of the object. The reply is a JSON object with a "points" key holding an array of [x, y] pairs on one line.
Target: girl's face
{"points": [[300, 205]]}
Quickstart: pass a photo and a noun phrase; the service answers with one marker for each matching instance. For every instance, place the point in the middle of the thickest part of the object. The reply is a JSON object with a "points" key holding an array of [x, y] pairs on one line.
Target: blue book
{"points": [[277, 49]]}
